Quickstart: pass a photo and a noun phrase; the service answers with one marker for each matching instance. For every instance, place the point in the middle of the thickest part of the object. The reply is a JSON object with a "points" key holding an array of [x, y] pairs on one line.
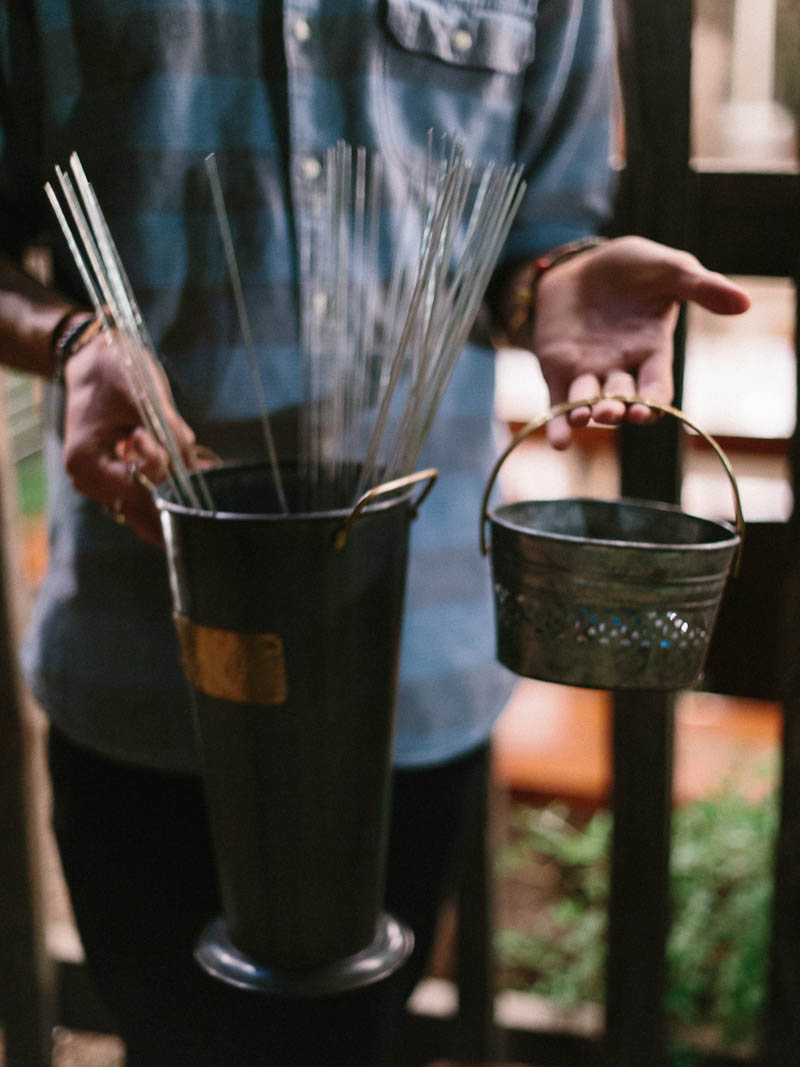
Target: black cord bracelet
{"points": [[72, 332]]}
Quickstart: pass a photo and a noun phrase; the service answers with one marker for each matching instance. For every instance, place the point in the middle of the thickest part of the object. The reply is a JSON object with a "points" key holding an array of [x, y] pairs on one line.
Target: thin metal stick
{"points": [[244, 323], [398, 361], [431, 295], [464, 314], [92, 257], [135, 341]]}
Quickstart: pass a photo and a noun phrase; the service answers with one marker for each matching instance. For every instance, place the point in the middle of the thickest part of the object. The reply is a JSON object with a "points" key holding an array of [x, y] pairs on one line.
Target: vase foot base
{"points": [[219, 957]]}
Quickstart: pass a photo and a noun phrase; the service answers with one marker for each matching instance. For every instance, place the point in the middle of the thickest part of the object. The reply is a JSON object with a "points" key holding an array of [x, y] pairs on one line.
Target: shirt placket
{"points": [[300, 26]]}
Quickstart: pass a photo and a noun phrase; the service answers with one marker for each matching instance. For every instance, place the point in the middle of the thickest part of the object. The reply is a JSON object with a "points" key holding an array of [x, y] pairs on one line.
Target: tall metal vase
{"points": [[289, 626]]}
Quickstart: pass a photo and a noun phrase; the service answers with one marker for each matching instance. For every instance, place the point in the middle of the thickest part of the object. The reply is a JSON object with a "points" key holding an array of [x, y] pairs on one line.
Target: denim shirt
{"points": [[143, 90]]}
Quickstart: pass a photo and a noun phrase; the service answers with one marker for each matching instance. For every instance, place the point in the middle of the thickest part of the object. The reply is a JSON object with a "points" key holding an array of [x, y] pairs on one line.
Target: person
{"points": [[143, 91]]}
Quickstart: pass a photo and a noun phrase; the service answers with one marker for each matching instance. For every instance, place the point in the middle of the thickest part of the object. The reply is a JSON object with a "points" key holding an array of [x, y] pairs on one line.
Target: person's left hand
{"points": [[604, 322]]}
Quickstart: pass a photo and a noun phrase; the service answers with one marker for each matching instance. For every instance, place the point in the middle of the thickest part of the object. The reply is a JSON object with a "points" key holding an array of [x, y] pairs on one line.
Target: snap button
{"points": [[311, 168], [461, 40], [301, 30]]}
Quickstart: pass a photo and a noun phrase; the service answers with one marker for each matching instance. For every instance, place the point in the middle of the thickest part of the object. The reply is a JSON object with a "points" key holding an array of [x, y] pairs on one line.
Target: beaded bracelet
{"points": [[525, 304], [72, 332]]}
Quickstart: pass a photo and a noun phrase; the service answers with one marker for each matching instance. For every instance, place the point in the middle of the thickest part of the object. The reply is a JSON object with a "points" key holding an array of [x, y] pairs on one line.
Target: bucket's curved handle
{"points": [[431, 474], [572, 405]]}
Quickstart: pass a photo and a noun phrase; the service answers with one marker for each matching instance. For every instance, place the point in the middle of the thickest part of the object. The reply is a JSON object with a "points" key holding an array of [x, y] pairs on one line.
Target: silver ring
{"points": [[140, 479]]}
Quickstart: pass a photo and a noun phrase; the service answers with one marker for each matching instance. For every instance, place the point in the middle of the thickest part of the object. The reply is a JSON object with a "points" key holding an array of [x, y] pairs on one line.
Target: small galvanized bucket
{"points": [[607, 594]]}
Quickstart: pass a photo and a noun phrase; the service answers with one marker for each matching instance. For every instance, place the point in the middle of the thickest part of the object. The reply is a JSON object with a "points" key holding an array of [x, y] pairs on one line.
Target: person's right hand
{"points": [[604, 324], [105, 442]]}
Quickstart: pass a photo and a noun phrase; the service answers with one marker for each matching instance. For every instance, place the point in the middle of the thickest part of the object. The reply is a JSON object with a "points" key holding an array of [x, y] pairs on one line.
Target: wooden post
{"points": [[655, 66], [782, 1023], [26, 973], [477, 1037], [639, 912]]}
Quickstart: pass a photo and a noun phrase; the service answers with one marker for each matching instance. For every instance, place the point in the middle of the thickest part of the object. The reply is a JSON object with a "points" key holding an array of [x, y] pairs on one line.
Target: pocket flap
{"points": [[495, 40]]}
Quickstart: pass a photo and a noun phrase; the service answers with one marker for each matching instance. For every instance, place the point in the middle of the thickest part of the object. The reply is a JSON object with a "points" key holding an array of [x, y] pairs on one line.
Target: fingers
{"points": [[143, 518], [145, 467], [609, 412], [181, 431], [559, 429], [121, 479], [204, 458], [559, 433], [125, 495], [183, 434], [653, 383], [136, 506], [96, 473], [139, 450]]}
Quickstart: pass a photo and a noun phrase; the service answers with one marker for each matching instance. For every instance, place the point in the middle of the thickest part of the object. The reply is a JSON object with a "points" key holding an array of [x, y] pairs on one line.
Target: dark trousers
{"points": [[137, 859]]}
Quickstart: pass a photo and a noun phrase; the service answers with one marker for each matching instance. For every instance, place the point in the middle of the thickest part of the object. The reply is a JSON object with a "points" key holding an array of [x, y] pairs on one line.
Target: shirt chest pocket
{"points": [[497, 38], [456, 67]]}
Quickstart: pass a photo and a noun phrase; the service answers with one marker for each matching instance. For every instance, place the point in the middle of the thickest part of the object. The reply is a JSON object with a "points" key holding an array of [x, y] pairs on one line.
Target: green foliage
{"points": [[20, 409], [562, 956], [31, 485], [721, 891]]}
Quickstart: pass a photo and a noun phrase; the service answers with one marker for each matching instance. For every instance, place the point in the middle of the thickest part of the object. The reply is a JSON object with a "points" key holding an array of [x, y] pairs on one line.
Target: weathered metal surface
{"points": [[607, 594], [291, 636]]}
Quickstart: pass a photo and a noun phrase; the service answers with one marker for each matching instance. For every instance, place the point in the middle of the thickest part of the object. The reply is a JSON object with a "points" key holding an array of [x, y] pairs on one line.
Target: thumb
{"points": [[713, 291]]}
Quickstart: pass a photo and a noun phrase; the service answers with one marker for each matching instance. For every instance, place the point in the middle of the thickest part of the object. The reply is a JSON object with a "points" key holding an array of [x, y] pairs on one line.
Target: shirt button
{"points": [[301, 30], [311, 168], [461, 40]]}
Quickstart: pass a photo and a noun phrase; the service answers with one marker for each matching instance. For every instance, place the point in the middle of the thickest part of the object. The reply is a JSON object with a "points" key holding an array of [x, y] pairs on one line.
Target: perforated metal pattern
{"points": [[601, 647]]}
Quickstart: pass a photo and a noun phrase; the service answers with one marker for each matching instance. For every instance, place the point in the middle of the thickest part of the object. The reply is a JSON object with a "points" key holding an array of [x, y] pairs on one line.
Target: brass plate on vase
{"points": [[244, 668]]}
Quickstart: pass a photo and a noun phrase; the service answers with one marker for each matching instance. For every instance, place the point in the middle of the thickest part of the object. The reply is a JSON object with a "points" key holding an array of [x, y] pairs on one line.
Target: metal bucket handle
{"points": [[572, 405], [431, 474]]}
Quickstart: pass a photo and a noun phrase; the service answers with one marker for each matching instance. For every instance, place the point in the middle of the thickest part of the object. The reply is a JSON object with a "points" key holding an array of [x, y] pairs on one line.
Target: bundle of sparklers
{"points": [[388, 298]]}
